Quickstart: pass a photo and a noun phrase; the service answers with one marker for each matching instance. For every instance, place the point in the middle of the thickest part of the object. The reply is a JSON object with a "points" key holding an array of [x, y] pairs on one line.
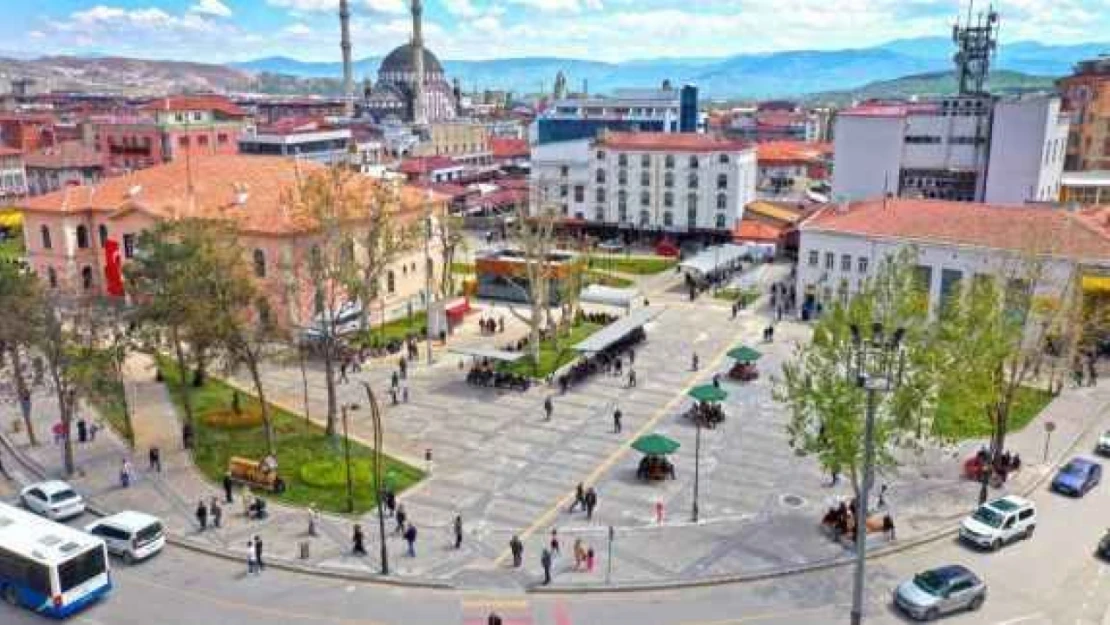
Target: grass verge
{"points": [[552, 355], [303, 450], [638, 265], [743, 296], [1028, 403]]}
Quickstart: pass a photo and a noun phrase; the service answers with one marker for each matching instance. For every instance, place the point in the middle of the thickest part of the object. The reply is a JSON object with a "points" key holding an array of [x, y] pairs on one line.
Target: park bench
{"points": [[251, 472]]}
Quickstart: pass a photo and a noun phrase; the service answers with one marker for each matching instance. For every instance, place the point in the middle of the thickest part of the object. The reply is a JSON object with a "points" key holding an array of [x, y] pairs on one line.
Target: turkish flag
{"points": [[113, 268]]}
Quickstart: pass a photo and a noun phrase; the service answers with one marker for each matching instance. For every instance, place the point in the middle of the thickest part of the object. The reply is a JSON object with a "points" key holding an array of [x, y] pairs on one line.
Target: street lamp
{"points": [[697, 465], [376, 418], [874, 365], [347, 456], [428, 274]]}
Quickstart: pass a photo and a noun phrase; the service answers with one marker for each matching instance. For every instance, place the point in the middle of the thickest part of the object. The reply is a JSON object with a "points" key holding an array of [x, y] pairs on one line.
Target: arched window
{"points": [[645, 199], [601, 176], [390, 283], [668, 162], [315, 262], [46, 243], [86, 277], [52, 277], [262, 307], [668, 180], [622, 160], [102, 232], [348, 251], [82, 237], [692, 181], [693, 162], [259, 264], [722, 181], [722, 202], [600, 194]]}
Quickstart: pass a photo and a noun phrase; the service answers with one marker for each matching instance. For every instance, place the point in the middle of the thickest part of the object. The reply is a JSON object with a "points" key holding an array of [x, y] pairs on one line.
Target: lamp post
{"points": [[376, 418], [428, 274], [347, 456], [874, 365]]}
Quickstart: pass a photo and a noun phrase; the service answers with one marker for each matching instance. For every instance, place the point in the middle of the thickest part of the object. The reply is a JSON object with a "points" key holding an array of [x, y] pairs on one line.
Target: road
{"points": [[1051, 579]]}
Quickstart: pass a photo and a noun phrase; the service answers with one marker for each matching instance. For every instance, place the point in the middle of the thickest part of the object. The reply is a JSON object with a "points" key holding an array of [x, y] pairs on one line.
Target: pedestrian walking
{"points": [[394, 380], [734, 310], [579, 498], [410, 538], [82, 431], [579, 554], [548, 408], [343, 371], [358, 543], [59, 431], [393, 395], [631, 377], [590, 560], [517, 549], [694, 362], [252, 557], [228, 483], [401, 516], [313, 519], [405, 394], [554, 542], [155, 457], [202, 515], [591, 503], [458, 531], [617, 421], [403, 366], [125, 473], [390, 500], [215, 512], [258, 553], [545, 561], [888, 527], [493, 619], [882, 496]]}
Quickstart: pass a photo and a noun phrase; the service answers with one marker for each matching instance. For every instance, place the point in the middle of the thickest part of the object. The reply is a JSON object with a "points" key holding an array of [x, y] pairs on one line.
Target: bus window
{"points": [[81, 569]]}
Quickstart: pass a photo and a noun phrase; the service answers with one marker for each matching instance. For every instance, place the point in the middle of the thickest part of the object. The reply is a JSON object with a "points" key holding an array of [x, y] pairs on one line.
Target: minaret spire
{"points": [[419, 114], [345, 46]]}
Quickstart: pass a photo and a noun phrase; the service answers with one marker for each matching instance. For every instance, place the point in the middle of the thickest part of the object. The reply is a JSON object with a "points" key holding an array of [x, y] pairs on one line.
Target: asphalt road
{"points": [[1051, 579]]}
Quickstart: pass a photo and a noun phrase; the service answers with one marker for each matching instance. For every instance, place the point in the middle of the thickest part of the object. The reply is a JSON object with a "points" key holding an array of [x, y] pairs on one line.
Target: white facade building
{"points": [[13, 177], [668, 182], [966, 148]]}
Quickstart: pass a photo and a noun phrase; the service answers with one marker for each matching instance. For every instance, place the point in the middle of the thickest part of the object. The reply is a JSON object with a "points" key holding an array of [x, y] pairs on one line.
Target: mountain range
{"points": [[775, 74]]}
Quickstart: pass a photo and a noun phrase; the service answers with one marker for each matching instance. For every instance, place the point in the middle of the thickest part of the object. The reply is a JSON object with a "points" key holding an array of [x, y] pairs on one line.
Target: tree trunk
{"points": [[21, 388], [267, 424], [329, 383], [66, 399], [183, 385], [304, 381], [128, 427]]}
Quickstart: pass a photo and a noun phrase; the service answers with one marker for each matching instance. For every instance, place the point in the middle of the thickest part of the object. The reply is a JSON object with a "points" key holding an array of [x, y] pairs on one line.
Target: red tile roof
{"points": [[749, 230], [163, 193], [1026, 229], [195, 103], [6, 151], [509, 148], [65, 155], [792, 152], [669, 142], [425, 164]]}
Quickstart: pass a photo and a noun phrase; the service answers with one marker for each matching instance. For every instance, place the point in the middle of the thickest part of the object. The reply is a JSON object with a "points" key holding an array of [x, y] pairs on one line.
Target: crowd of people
{"points": [[841, 521], [609, 361], [485, 373]]}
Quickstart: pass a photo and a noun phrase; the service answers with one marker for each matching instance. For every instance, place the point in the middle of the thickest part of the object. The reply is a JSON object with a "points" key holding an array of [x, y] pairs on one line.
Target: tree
{"points": [[21, 323], [996, 333], [452, 242], [827, 406], [63, 351], [534, 238], [382, 237]]}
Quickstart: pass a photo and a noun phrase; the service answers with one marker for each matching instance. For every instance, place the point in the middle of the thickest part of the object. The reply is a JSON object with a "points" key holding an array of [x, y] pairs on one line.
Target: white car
{"points": [[132, 536], [998, 522], [53, 499]]}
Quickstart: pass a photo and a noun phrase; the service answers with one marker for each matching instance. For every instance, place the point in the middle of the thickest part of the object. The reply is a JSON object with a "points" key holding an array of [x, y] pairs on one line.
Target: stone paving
{"points": [[506, 470]]}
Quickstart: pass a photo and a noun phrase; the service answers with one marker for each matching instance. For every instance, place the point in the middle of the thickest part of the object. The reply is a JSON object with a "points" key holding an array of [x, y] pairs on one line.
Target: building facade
{"points": [[309, 140], [661, 182], [465, 141], [66, 164], [13, 176], [1085, 188], [664, 110], [1086, 96], [970, 148]]}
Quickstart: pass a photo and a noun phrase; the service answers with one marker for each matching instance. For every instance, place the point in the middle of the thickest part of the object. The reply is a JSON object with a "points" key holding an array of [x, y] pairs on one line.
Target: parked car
{"points": [[1077, 477], [1103, 445], [130, 535], [54, 500], [1000, 521], [1103, 548], [940, 591]]}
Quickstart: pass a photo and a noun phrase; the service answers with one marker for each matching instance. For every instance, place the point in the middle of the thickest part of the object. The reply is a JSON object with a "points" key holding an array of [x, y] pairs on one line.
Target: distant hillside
{"points": [[933, 84], [124, 75]]}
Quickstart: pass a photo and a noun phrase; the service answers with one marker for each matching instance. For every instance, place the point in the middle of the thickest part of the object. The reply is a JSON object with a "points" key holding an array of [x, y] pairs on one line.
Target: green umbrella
{"points": [[655, 445], [707, 393], [744, 354]]}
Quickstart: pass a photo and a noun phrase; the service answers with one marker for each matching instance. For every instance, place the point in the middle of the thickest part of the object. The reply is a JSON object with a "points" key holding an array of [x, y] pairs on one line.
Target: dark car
{"points": [[1103, 549], [1077, 477]]}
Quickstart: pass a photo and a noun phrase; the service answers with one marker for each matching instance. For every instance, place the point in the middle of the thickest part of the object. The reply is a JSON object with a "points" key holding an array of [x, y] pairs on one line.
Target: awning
{"points": [[714, 258], [743, 353], [707, 393], [617, 330], [489, 353], [655, 445], [458, 307], [1096, 284], [11, 219], [609, 296]]}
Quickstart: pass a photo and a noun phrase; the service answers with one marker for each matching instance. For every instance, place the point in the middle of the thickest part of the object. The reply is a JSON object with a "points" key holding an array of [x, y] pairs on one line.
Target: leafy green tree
{"points": [[21, 324]]}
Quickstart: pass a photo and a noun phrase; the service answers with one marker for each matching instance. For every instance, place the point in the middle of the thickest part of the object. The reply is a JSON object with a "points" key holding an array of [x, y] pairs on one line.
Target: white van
{"points": [[133, 536], [998, 522]]}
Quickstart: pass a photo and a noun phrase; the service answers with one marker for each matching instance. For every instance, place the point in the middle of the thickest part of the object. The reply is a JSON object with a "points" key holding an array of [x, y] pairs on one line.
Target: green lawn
{"points": [[105, 393], [398, 329], [639, 265], [606, 279], [550, 357], [744, 296], [1028, 403], [311, 463]]}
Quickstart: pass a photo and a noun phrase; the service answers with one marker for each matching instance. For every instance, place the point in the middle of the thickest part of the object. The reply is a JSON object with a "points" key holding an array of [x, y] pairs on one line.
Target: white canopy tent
{"points": [[609, 296]]}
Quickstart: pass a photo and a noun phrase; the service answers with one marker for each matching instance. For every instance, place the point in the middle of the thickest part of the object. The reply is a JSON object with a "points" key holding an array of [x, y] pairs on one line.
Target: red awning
{"points": [[458, 308]]}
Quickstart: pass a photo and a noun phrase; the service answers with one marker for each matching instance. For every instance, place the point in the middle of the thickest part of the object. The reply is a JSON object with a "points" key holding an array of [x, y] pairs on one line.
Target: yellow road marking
{"points": [[619, 453]]}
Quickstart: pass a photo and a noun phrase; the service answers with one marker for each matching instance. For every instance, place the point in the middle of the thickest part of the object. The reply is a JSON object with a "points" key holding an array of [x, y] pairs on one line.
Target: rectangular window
{"points": [[202, 140], [949, 283], [128, 245], [563, 190], [221, 138], [81, 569], [846, 262], [183, 141], [579, 193], [830, 260], [814, 258], [863, 264]]}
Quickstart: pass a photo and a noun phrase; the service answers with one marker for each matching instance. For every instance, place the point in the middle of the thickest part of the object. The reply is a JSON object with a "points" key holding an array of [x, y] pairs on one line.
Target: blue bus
{"points": [[48, 567]]}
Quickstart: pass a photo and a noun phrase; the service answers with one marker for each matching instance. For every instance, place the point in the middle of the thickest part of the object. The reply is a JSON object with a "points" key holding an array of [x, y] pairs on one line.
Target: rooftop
{"points": [[195, 103], [65, 155], [1027, 229], [162, 191], [890, 110], [508, 148], [425, 164], [792, 151], [6, 151], [668, 142], [1097, 178]]}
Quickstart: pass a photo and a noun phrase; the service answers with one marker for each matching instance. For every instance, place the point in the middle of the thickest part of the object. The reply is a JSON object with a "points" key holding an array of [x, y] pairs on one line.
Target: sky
{"points": [[607, 30]]}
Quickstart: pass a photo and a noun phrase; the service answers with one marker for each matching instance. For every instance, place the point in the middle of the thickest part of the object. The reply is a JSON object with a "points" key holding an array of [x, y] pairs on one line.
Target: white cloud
{"points": [[560, 6], [103, 18], [461, 8], [388, 7], [211, 7], [306, 5], [297, 30], [36, 34]]}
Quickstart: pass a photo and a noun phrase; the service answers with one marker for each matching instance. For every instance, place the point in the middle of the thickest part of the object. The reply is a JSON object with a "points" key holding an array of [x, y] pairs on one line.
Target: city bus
{"points": [[48, 567]]}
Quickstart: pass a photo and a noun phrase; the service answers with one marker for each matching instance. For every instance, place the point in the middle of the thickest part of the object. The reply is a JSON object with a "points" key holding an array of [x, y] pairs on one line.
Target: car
{"points": [[130, 535], [998, 522], [53, 499], [1103, 549], [1102, 447], [1077, 477], [938, 591]]}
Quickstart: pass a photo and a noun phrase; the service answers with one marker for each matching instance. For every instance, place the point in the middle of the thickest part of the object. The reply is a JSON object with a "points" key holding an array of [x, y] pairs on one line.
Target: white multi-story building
{"points": [[13, 177], [967, 148], [666, 182], [842, 245]]}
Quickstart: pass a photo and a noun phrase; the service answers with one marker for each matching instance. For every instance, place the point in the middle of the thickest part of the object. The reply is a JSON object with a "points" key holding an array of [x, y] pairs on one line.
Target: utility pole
{"points": [[697, 466], [376, 417], [347, 457], [428, 273]]}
